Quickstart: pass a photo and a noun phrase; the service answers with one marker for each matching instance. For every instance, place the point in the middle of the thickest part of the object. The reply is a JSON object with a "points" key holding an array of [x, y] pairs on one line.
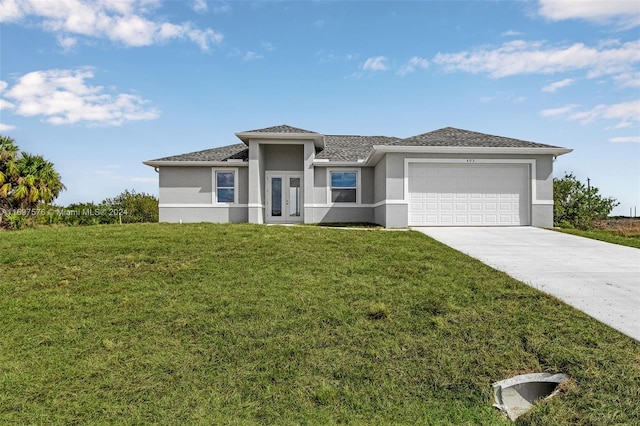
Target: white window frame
{"points": [[358, 186], [215, 186]]}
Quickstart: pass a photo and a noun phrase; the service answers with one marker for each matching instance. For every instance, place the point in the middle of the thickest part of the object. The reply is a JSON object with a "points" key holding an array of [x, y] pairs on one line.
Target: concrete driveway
{"points": [[600, 279]]}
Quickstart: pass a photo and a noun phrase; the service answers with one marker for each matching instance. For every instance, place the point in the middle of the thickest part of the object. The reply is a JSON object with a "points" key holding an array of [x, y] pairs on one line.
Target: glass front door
{"points": [[284, 197]]}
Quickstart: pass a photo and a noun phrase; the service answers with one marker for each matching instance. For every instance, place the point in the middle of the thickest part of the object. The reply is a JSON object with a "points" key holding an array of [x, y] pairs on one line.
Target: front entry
{"points": [[284, 197]]}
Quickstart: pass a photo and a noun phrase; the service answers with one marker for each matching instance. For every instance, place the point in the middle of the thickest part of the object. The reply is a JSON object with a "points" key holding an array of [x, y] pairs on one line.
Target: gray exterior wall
{"points": [[204, 214], [186, 195], [283, 157], [185, 185], [396, 215], [342, 214], [325, 211]]}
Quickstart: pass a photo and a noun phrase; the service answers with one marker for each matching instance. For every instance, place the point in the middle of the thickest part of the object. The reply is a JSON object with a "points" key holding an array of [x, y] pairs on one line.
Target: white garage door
{"points": [[468, 194]]}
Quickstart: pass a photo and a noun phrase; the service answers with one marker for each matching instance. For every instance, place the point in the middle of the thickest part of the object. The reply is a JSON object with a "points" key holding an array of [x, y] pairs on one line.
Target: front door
{"points": [[284, 197]]}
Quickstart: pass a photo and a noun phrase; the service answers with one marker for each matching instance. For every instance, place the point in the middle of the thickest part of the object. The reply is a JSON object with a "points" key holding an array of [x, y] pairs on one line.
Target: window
{"points": [[344, 186], [225, 186]]}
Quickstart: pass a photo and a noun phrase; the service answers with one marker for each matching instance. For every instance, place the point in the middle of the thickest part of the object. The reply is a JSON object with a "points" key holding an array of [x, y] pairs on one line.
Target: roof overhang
{"points": [[379, 150], [328, 163], [317, 138], [154, 163]]}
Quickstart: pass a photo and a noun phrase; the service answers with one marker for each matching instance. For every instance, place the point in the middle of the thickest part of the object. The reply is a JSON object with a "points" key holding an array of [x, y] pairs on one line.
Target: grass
{"points": [[244, 324], [625, 232]]}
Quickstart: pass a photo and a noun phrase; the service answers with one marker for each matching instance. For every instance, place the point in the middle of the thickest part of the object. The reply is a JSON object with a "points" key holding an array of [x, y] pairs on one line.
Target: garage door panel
{"points": [[468, 194]]}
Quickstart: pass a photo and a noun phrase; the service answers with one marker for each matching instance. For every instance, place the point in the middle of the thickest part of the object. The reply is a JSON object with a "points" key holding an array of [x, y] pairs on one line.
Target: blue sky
{"points": [[97, 87]]}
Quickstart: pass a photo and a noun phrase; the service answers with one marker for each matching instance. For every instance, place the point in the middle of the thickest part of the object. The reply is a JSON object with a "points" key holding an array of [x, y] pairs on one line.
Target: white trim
{"points": [[472, 150], [390, 202], [256, 205], [339, 205], [543, 203], [209, 206], [349, 205], [328, 163], [214, 195], [379, 150], [355, 170]]}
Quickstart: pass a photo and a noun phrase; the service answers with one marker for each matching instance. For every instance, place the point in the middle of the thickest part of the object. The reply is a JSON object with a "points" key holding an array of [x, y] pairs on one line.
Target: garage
{"points": [[468, 194]]}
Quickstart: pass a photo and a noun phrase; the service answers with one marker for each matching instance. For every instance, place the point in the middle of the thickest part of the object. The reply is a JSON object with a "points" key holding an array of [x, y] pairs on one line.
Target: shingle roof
{"points": [[352, 148], [450, 136], [238, 151], [280, 129]]}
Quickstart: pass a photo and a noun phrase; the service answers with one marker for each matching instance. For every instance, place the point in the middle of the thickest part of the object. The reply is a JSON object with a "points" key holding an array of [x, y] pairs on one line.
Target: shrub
{"points": [[578, 206], [134, 207]]}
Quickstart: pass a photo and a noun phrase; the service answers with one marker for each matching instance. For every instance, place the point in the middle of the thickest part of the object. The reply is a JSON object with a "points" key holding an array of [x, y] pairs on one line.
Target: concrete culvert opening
{"points": [[516, 395]]}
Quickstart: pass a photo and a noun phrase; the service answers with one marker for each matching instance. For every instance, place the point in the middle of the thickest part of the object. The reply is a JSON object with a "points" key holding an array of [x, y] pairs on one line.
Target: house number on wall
{"points": [[471, 160]]}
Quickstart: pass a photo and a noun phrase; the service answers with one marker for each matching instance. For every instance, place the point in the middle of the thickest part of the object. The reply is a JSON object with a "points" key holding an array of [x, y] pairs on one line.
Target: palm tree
{"points": [[25, 179], [8, 168]]}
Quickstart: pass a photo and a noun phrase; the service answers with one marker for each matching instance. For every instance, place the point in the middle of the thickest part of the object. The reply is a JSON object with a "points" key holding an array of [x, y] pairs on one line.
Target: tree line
{"points": [[29, 184]]}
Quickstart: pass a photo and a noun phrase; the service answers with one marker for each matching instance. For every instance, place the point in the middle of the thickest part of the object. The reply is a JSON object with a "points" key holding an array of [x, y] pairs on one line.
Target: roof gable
{"points": [[452, 137], [284, 128]]}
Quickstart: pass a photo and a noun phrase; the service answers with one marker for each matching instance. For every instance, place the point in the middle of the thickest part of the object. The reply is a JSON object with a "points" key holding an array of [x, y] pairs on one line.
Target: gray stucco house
{"points": [[282, 174]]}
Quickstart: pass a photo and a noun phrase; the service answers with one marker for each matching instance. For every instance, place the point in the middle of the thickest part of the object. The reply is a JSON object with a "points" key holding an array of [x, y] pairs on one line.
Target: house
{"points": [[282, 174]]}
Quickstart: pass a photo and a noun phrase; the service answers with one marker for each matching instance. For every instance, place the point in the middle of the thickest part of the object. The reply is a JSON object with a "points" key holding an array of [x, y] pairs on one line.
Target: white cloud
{"points": [[66, 42], [556, 112], [551, 88], [199, 6], [511, 33], [377, 63], [143, 179], [624, 139], [124, 21], [63, 97], [268, 46], [4, 104], [625, 13], [520, 57], [204, 38], [6, 127], [626, 113], [415, 62], [628, 79], [251, 56], [504, 96], [325, 56], [9, 11], [220, 7]]}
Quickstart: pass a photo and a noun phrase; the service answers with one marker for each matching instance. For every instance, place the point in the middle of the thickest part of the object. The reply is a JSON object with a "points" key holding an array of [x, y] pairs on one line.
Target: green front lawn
{"points": [[244, 324], [607, 235]]}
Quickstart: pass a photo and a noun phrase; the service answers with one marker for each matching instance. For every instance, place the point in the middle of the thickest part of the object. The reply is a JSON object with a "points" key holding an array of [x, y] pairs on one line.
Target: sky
{"points": [[98, 87]]}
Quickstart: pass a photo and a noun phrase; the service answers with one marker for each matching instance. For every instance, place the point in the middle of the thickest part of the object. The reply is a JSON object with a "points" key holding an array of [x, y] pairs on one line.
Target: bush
{"points": [[578, 206], [134, 207]]}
